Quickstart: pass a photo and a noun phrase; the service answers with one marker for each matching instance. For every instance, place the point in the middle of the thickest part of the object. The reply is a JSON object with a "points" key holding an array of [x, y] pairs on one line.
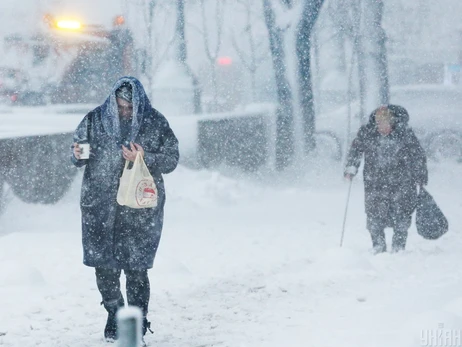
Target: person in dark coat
{"points": [[116, 237], [394, 166]]}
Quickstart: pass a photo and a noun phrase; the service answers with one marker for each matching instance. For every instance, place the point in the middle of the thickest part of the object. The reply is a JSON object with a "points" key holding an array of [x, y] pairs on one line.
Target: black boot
{"points": [[399, 240], [109, 286], [110, 330], [144, 328], [400, 229], [379, 244]]}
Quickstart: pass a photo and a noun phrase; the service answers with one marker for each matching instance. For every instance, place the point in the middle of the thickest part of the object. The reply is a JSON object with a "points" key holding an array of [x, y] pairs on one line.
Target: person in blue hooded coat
{"points": [[395, 166], [116, 237]]}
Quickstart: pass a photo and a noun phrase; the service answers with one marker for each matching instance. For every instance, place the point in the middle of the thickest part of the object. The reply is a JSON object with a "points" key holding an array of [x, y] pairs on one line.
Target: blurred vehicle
{"points": [[436, 116], [12, 81], [69, 61]]}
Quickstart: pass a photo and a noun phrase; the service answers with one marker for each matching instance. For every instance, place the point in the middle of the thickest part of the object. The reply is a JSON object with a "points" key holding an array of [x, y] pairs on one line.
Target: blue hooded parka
{"points": [[114, 236]]}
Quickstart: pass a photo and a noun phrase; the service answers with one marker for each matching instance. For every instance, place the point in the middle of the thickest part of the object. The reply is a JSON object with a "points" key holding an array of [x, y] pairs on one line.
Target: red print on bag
{"points": [[146, 193], [149, 193]]}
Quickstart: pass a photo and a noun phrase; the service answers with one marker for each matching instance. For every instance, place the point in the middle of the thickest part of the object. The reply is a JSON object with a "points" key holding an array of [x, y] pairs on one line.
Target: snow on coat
{"points": [[115, 236], [394, 166]]}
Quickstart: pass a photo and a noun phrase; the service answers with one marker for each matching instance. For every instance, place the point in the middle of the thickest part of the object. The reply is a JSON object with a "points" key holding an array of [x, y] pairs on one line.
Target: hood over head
{"points": [[125, 91], [400, 114], [139, 99]]}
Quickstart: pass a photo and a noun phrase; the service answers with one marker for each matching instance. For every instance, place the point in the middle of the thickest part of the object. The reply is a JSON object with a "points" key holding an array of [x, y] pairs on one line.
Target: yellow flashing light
{"points": [[69, 24]]}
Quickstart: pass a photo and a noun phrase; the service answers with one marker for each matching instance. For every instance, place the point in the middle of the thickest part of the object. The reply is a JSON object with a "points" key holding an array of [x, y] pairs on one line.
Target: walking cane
{"points": [[346, 210]]}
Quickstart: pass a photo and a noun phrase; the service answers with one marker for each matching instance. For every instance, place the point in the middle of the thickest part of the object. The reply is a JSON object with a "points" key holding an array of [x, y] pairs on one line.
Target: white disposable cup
{"points": [[84, 150]]}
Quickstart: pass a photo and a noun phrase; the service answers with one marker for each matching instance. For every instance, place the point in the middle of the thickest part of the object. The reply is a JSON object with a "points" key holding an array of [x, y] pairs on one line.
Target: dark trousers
{"points": [[400, 231], [138, 288]]}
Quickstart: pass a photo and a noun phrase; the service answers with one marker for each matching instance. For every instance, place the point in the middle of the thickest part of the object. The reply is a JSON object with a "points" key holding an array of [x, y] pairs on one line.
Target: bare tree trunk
{"points": [[212, 54], [361, 81], [249, 61], [375, 55], [310, 13], [215, 89], [359, 51], [182, 55], [252, 60], [149, 56], [350, 98], [2, 198], [284, 124], [154, 54], [316, 53], [182, 52], [339, 13], [343, 54]]}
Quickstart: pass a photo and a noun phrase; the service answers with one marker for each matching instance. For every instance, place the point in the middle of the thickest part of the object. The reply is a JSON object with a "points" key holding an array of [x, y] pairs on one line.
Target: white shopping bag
{"points": [[137, 188]]}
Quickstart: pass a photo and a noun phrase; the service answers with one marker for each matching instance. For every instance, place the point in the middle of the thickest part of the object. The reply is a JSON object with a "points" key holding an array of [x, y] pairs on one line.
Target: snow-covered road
{"points": [[243, 263]]}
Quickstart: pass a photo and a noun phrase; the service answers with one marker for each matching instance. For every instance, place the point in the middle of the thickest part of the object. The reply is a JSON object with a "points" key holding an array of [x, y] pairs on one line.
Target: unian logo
{"points": [[146, 193], [441, 337]]}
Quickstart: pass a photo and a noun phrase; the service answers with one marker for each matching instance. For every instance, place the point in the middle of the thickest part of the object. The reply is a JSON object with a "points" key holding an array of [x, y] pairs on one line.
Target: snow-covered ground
{"points": [[243, 262]]}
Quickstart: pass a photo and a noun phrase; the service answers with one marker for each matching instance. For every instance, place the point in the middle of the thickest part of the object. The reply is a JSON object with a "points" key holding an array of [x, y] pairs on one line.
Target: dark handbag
{"points": [[430, 221]]}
